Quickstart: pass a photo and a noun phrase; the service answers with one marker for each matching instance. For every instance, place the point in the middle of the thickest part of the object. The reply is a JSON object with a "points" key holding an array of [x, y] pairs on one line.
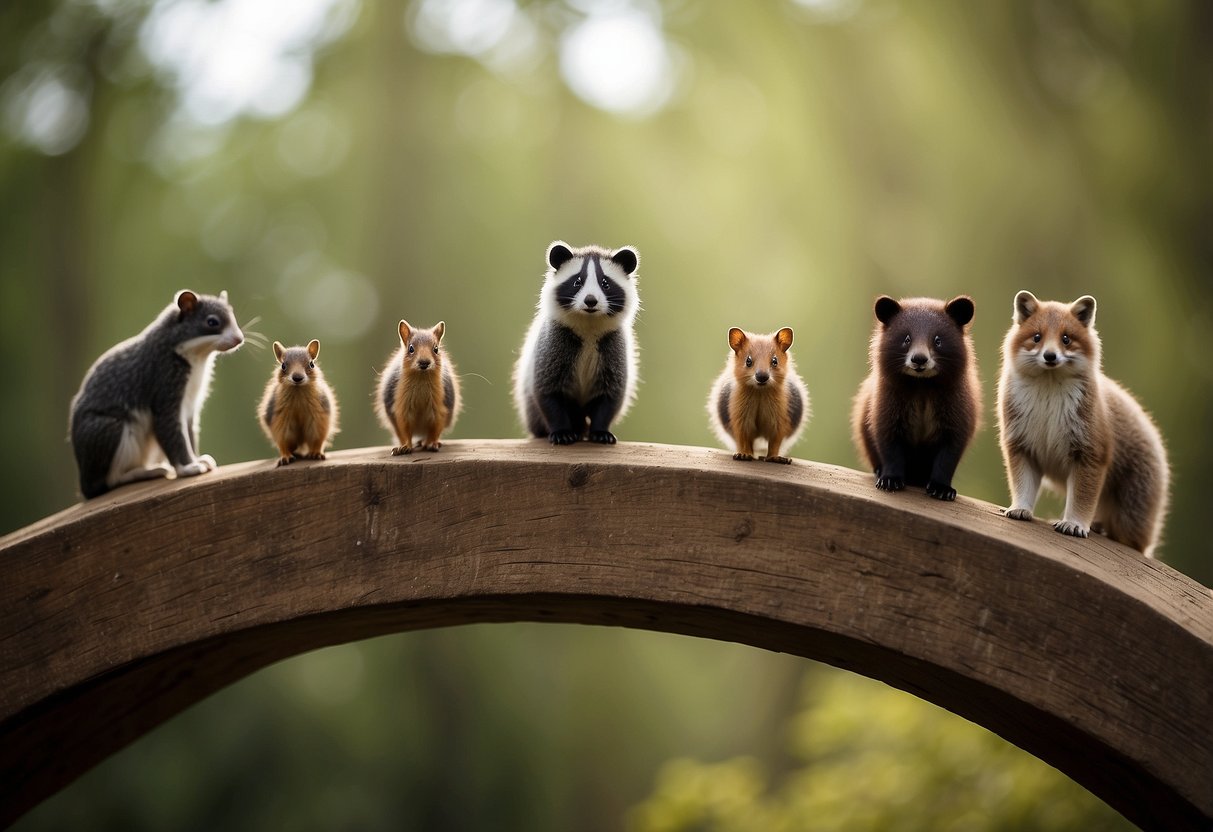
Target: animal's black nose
{"points": [[1050, 357], [424, 363], [591, 301], [762, 376], [297, 378], [918, 359]]}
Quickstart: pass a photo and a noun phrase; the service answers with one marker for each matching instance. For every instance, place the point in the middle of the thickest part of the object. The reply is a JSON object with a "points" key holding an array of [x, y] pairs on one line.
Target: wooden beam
{"points": [[117, 614]]}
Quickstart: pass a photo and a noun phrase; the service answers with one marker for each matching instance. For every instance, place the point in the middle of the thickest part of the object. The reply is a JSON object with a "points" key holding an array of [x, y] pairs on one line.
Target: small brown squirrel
{"points": [[298, 411], [418, 392], [759, 398]]}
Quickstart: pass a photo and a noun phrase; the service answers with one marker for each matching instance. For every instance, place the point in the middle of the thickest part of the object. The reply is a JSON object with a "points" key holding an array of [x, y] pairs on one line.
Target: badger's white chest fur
{"points": [[583, 384], [1048, 419]]}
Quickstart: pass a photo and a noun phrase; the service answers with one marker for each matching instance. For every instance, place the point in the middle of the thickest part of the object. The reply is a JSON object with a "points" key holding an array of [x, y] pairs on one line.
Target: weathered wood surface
{"points": [[117, 614]]}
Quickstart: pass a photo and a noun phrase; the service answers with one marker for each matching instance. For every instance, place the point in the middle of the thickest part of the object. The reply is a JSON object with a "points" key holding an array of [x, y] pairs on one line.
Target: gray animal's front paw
{"points": [[1071, 527], [1019, 513]]}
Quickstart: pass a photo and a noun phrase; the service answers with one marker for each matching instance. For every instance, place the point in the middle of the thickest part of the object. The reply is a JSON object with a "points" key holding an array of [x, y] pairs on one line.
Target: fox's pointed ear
{"points": [[313, 349], [186, 301], [439, 330], [1084, 310], [886, 308], [559, 253], [784, 338], [737, 339], [279, 350], [961, 309], [1026, 305], [627, 258], [406, 331]]}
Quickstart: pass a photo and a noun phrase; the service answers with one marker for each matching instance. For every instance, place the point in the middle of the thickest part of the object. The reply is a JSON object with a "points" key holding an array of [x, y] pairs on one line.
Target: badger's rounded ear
{"points": [[186, 301], [559, 254], [406, 331], [886, 308], [1025, 307], [961, 310], [784, 338], [737, 339], [313, 349], [279, 350], [439, 330], [1084, 310], [627, 258]]}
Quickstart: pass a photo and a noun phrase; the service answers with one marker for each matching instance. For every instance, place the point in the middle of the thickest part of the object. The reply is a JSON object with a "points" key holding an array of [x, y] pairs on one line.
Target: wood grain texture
{"points": [[117, 614]]}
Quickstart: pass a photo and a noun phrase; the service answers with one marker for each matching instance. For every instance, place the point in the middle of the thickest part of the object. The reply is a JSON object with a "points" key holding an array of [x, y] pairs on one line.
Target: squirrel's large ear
{"points": [[186, 301], [439, 330], [1025, 307], [313, 349], [886, 308], [627, 258], [961, 309], [737, 339], [406, 331], [279, 350], [784, 338], [1084, 310], [559, 254]]}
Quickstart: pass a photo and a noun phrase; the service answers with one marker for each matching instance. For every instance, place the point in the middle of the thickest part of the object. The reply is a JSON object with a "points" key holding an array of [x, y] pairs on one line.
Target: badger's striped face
{"points": [[592, 282]]}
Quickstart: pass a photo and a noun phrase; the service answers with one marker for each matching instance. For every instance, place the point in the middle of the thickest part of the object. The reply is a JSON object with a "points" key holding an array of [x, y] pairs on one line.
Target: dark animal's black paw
{"points": [[602, 437], [890, 483], [940, 491], [563, 437]]}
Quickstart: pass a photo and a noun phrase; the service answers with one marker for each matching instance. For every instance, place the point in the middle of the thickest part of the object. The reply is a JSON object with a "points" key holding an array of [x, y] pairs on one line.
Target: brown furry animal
{"points": [[1064, 423], [298, 411], [920, 406], [418, 396]]}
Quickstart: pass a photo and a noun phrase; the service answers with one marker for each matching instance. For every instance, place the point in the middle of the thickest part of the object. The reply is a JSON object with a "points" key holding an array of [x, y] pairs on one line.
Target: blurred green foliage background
{"points": [[337, 165]]}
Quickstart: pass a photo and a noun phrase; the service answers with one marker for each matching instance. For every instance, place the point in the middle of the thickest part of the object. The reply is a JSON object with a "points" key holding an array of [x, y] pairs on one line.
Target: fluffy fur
{"points": [[920, 406], [1064, 424], [136, 414], [298, 411], [576, 374], [418, 396], [758, 402]]}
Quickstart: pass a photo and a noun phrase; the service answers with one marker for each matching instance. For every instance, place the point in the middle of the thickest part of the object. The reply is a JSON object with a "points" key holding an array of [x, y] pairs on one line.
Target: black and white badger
{"points": [[577, 371]]}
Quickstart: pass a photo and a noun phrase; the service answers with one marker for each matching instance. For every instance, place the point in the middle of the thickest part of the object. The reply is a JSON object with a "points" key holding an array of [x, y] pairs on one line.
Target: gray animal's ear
{"points": [[559, 254], [737, 339], [886, 308], [961, 309], [784, 338], [186, 301], [439, 330], [1026, 305], [279, 350], [406, 331], [1084, 310], [313, 349], [627, 258]]}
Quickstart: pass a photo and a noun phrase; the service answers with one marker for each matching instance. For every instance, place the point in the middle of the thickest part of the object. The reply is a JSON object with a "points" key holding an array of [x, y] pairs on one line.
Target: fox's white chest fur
{"points": [[1048, 419]]}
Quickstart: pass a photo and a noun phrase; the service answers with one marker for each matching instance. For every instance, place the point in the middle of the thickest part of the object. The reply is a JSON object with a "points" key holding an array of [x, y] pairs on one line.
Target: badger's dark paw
{"points": [[890, 483], [940, 491], [563, 437], [602, 437]]}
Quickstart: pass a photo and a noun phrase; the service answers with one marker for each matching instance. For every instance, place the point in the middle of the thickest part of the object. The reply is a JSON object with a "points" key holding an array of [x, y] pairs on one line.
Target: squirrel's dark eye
{"points": [[212, 321], [435, 350], [311, 365], [749, 362], [284, 366], [1065, 339], [938, 342], [1036, 338], [411, 350], [774, 361]]}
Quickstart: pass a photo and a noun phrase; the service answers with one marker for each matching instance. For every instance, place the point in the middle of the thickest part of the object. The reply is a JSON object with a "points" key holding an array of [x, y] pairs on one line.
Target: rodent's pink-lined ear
{"points": [[313, 349], [1025, 307], [186, 301], [1084, 310], [627, 259], [439, 330], [279, 350], [784, 338], [559, 254], [961, 309], [406, 331], [737, 339], [886, 308]]}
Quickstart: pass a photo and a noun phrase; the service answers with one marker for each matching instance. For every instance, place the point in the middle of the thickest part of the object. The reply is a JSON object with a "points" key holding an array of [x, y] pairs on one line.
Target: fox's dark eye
{"points": [[284, 366], [411, 350], [774, 361], [212, 321], [311, 365], [1036, 338], [749, 362], [906, 341]]}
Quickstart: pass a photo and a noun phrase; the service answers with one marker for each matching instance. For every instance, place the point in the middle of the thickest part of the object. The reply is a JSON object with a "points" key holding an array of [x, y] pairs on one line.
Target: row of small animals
{"points": [[1062, 422]]}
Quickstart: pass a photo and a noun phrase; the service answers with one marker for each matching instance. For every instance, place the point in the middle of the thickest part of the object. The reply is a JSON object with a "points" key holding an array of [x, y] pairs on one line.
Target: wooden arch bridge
{"points": [[117, 614]]}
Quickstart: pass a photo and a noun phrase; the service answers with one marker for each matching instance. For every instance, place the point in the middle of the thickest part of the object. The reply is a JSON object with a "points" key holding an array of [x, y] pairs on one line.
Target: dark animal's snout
{"points": [[918, 359]]}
